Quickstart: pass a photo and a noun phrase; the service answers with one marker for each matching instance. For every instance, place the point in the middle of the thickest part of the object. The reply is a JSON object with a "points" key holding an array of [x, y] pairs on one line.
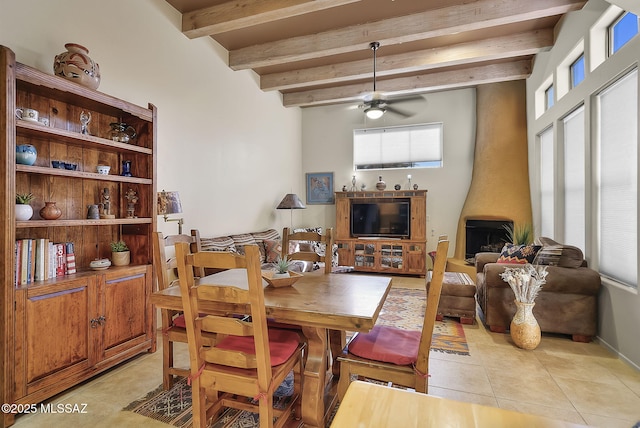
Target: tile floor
{"points": [[576, 382]]}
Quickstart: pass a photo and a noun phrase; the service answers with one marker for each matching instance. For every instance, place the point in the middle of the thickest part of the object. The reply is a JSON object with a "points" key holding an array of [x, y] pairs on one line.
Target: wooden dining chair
{"points": [[172, 322], [309, 254], [249, 361], [390, 354]]}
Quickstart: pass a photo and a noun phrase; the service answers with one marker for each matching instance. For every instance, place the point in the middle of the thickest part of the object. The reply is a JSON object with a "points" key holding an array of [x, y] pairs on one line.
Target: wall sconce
{"points": [[291, 201], [169, 203]]}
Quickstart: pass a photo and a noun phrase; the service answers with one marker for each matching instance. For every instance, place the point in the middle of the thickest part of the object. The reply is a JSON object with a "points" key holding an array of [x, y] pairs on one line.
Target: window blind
{"points": [[415, 146], [618, 180], [574, 179], [546, 183]]}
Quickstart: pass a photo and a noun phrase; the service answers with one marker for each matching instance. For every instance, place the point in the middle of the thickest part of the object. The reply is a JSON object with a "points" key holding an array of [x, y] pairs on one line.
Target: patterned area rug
{"points": [[404, 308]]}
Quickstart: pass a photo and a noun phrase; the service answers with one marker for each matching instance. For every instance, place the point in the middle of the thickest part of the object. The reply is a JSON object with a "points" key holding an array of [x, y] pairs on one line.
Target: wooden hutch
{"points": [[383, 254], [56, 333]]}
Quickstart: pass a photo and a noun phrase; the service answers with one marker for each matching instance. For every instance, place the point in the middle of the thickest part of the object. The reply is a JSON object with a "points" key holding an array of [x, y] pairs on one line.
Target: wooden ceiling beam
{"points": [[436, 81], [237, 14], [513, 45], [475, 15]]}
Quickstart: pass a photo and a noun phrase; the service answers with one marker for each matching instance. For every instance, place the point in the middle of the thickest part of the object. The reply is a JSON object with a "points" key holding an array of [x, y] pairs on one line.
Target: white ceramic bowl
{"points": [[103, 169]]}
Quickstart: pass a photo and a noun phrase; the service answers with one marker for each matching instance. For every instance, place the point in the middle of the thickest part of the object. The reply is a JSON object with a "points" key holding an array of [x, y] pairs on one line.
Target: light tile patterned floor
{"points": [[577, 382]]}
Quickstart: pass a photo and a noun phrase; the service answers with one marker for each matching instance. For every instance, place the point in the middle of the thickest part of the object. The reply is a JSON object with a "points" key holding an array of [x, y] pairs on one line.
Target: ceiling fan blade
{"points": [[399, 112]]}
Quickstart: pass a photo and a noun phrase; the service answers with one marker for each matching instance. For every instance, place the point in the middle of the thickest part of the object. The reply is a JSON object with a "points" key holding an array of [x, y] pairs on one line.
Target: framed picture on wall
{"points": [[320, 188]]}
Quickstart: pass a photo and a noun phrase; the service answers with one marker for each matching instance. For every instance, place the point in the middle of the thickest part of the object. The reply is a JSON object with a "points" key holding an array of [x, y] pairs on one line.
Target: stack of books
{"points": [[40, 260]]}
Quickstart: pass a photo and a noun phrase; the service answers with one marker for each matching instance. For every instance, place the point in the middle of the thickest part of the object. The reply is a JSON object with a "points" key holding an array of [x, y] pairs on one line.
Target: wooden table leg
{"points": [[337, 341], [314, 377]]}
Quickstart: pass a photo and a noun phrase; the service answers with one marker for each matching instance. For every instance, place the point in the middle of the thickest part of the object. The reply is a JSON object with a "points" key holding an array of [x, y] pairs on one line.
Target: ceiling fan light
{"points": [[374, 112]]}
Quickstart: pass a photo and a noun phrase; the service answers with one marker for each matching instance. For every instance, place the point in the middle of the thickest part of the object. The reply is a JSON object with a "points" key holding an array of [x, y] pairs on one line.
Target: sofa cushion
{"points": [[221, 243], [241, 240], [273, 250], [518, 254], [260, 237], [571, 256]]}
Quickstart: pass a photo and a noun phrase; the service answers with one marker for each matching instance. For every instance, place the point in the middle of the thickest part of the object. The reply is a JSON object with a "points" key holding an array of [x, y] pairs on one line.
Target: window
{"points": [[414, 146], [577, 71], [622, 30], [548, 97], [617, 180], [574, 179], [547, 182]]}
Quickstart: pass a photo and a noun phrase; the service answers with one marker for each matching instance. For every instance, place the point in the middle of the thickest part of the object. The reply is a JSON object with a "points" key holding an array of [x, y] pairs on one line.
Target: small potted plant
{"points": [[282, 267], [120, 254], [24, 211]]}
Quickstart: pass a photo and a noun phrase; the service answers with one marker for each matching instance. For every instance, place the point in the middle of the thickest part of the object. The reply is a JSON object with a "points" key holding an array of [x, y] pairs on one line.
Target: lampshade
{"points": [[169, 203], [291, 201], [374, 112]]}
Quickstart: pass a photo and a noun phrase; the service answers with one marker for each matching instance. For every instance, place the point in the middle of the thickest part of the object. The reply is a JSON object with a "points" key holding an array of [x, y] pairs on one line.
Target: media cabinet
{"points": [[381, 253]]}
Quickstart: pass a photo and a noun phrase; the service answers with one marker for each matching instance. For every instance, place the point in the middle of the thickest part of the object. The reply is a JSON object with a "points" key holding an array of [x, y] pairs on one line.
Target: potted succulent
{"points": [[120, 254], [24, 211], [282, 267]]}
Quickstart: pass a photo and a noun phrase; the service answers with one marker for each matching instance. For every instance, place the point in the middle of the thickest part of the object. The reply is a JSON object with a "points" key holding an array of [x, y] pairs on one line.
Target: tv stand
{"points": [[381, 254]]}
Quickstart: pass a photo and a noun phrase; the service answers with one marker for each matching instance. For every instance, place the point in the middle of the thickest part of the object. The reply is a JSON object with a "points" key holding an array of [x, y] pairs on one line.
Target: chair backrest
{"points": [[312, 256], [246, 300], [164, 263], [433, 299]]}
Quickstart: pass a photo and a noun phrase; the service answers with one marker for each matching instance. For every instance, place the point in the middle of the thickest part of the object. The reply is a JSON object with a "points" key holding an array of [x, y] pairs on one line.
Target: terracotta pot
{"points": [[121, 258], [75, 65], [525, 330], [50, 211]]}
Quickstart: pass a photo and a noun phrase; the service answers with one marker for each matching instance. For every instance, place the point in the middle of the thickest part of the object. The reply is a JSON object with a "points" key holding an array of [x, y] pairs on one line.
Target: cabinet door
{"points": [[416, 258], [122, 309], [54, 324], [345, 254], [391, 257]]}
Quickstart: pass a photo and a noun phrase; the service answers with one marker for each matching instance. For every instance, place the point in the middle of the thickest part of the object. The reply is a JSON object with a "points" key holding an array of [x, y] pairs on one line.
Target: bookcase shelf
{"points": [[94, 319]]}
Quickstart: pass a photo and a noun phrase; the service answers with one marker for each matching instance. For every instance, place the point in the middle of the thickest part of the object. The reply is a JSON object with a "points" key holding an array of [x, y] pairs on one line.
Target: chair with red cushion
{"points": [[172, 322], [392, 355], [249, 361]]}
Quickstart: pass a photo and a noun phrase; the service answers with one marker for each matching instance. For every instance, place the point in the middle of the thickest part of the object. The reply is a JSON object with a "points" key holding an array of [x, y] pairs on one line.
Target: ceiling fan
{"points": [[376, 104]]}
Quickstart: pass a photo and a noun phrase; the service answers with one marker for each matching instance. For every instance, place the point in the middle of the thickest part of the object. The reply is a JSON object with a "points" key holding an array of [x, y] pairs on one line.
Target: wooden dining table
{"points": [[378, 406], [325, 306]]}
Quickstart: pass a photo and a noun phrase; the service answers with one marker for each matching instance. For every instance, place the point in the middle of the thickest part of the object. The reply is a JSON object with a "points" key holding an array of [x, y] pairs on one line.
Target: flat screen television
{"points": [[380, 219]]}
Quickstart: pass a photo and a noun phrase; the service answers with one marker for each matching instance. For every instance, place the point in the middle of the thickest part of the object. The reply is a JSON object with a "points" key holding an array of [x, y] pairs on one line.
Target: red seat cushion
{"points": [[282, 344], [179, 321], [387, 344]]}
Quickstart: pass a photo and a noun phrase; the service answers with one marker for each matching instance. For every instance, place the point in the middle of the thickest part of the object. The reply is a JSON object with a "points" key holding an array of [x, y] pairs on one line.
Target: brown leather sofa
{"points": [[567, 303]]}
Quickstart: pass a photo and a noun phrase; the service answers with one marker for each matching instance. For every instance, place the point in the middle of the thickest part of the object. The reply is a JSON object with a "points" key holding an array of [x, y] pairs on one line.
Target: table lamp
{"points": [[291, 201], [169, 203]]}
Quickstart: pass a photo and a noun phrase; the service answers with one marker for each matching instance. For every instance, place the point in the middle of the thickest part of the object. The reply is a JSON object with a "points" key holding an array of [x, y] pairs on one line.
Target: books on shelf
{"points": [[39, 259]]}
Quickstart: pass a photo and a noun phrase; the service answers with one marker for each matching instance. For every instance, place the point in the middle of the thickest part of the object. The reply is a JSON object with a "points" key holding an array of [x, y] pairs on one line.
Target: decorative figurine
{"points": [[126, 168], [106, 205], [353, 184], [85, 118], [131, 205], [409, 178], [344, 188]]}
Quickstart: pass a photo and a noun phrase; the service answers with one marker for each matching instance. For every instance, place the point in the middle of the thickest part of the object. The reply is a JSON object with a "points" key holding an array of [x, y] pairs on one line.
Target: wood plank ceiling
{"points": [[316, 52]]}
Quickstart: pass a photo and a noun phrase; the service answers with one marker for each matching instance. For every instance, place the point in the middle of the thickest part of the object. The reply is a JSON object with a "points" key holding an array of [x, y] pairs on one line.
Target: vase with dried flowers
{"points": [[526, 283]]}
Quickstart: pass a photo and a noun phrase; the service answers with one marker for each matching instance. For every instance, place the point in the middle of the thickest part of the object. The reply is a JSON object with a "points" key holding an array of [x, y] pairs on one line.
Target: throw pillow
{"points": [[222, 243], [272, 249], [241, 240], [518, 254]]}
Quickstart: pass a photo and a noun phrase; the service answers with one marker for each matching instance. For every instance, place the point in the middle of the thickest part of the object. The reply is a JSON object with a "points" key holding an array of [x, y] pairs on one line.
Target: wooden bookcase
{"points": [[386, 255], [59, 332]]}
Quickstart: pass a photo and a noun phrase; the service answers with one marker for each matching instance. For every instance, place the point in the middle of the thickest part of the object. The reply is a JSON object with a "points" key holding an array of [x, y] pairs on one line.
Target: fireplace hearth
{"points": [[485, 236]]}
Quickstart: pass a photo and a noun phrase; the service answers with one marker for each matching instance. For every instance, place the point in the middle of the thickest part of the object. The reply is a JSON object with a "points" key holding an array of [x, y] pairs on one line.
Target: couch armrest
{"points": [[484, 258]]}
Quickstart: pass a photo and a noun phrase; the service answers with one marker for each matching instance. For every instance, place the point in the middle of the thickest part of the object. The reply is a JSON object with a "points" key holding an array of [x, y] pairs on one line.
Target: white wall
{"points": [[327, 138], [619, 317], [231, 150]]}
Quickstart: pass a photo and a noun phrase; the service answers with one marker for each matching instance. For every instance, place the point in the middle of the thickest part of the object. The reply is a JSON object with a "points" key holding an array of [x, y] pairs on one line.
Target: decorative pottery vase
{"points": [[381, 185], [415, 187], [24, 212], [397, 187], [75, 65], [50, 211], [26, 154], [121, 132], [93, 212], [525, 330], [122, 258], [281, 275]]}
